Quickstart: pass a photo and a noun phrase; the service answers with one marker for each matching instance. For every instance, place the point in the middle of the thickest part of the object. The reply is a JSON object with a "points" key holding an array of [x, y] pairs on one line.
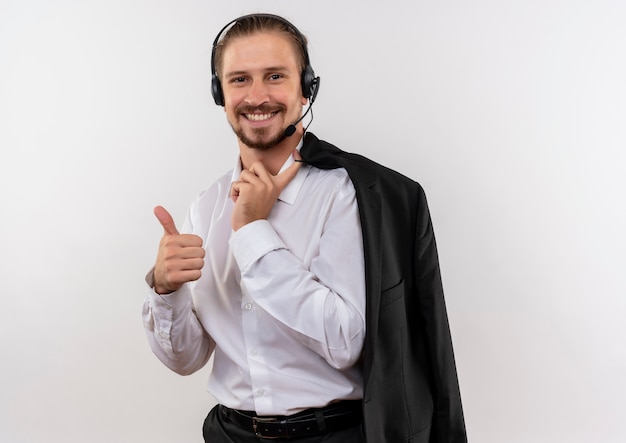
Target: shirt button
{"points": [[254, 351], [260, 392], [248, 306]]}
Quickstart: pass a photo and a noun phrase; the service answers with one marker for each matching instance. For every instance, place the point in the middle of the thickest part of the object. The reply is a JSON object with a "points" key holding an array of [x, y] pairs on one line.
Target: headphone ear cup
{"points": [[309, 83], [315, 87], [216, 90]]}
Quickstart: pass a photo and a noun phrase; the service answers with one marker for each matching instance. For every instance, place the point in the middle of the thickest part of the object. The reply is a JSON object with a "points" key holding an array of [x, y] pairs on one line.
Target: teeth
{"points": [[259, 117]]}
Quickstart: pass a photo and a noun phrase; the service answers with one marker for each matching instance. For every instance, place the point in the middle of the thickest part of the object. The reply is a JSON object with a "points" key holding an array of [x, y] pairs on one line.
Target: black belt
{"points": [[334, 417]]}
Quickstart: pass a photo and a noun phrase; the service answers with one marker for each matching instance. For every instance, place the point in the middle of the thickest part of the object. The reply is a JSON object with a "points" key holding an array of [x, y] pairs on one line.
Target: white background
{"points": [[510, 113]]}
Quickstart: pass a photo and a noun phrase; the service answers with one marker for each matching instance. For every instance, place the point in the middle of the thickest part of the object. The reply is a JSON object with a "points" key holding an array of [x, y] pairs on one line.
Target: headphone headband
{"points": [[308, 80]]}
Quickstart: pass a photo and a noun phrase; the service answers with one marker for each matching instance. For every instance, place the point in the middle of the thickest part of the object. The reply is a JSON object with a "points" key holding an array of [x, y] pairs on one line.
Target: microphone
{"points": [[291, 129]]}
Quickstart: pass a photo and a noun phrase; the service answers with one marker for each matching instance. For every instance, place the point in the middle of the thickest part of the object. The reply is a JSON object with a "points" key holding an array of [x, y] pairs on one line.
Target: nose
{"points": [[258, 93]]}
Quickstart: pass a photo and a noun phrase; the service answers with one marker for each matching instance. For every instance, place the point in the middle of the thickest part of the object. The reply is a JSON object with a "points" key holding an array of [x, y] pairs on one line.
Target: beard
{"points": [[261, 138]]}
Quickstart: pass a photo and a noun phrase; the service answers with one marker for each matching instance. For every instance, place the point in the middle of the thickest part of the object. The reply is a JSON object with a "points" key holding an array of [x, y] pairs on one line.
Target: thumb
{"points": [[166, 220]]}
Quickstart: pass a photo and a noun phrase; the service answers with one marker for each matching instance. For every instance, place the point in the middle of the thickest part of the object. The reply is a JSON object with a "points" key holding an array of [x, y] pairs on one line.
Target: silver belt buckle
{"points": [[257, 423]]}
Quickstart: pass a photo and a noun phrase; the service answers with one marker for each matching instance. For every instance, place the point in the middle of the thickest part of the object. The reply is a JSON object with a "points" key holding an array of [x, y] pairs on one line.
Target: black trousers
{"points": [[218, 429]]}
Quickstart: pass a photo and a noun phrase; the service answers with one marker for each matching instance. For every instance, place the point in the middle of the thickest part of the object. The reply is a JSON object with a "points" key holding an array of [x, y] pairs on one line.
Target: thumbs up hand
{"points": [[180, 258]]}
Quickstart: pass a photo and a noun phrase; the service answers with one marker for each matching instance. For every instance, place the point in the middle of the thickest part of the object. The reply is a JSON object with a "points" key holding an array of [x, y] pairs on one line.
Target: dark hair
{"points": [[258, 23]]}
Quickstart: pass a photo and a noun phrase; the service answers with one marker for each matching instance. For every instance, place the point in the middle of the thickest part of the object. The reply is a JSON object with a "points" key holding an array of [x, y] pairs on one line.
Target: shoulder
{"points": [[218, 190], [327, 179], [383, 173], [208, 203], [362, 170]]}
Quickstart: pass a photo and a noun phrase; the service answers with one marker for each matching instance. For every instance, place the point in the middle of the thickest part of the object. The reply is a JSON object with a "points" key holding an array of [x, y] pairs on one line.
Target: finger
{"points": [[184, 241], [256, 172], [248, 177], [296, 156], [191, 241], [166, 220], [191, 253], [179, 278], [193, 264], [238, 188], [234, 191]]}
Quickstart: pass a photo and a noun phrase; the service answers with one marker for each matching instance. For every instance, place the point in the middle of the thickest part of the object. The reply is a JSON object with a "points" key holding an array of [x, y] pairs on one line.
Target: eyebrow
{"points": [[265, 70]]}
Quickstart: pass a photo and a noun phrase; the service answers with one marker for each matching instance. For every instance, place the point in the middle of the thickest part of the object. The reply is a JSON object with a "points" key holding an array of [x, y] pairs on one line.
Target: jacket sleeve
{"points": [[448, 421]]}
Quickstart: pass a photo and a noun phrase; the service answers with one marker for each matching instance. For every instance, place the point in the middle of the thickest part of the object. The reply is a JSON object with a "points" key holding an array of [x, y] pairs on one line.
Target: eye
{"points": [[238, 79], [275, 77]]}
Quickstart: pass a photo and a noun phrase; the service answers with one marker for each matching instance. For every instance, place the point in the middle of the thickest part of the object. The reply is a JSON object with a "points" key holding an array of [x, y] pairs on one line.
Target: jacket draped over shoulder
{"points": [[411, 390]]}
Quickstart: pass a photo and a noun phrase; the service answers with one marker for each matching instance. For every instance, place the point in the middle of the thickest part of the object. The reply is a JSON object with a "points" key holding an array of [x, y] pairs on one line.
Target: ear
{"points": [[304, 100]]}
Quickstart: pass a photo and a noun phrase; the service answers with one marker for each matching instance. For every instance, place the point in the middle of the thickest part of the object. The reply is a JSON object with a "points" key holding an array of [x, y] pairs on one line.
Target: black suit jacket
{"points": [[411, 391]]}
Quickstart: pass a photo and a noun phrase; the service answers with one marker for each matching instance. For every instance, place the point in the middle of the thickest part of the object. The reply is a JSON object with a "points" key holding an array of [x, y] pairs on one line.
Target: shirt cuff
{"points": [[173, 302], [254, 240]]}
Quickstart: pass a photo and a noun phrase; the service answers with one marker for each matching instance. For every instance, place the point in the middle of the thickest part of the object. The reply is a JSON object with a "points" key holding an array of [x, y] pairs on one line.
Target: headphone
{"points": [[309, 82]]}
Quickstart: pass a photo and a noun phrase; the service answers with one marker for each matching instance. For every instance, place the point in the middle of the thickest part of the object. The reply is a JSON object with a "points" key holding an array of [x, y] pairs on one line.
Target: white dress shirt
{"points": [[281, 302]]}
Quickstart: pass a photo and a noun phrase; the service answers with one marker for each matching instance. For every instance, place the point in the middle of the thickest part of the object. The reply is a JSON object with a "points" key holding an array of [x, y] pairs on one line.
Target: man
{"points": [[310, 274]]}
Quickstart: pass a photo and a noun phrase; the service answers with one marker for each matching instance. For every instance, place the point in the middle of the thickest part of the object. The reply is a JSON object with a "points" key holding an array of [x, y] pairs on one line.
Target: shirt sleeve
{"points": [[174, 332], [322, 305]]}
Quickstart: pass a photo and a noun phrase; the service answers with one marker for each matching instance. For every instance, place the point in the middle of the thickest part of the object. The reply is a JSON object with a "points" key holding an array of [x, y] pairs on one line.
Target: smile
{"points": [[260, 117]]}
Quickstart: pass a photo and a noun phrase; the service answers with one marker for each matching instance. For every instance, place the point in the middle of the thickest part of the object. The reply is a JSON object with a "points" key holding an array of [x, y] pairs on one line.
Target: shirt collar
{"points": [[291, 191]]}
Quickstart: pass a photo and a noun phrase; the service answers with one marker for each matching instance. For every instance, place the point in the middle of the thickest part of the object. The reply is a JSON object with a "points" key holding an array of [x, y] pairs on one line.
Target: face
{"points": [[261, 84]]}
